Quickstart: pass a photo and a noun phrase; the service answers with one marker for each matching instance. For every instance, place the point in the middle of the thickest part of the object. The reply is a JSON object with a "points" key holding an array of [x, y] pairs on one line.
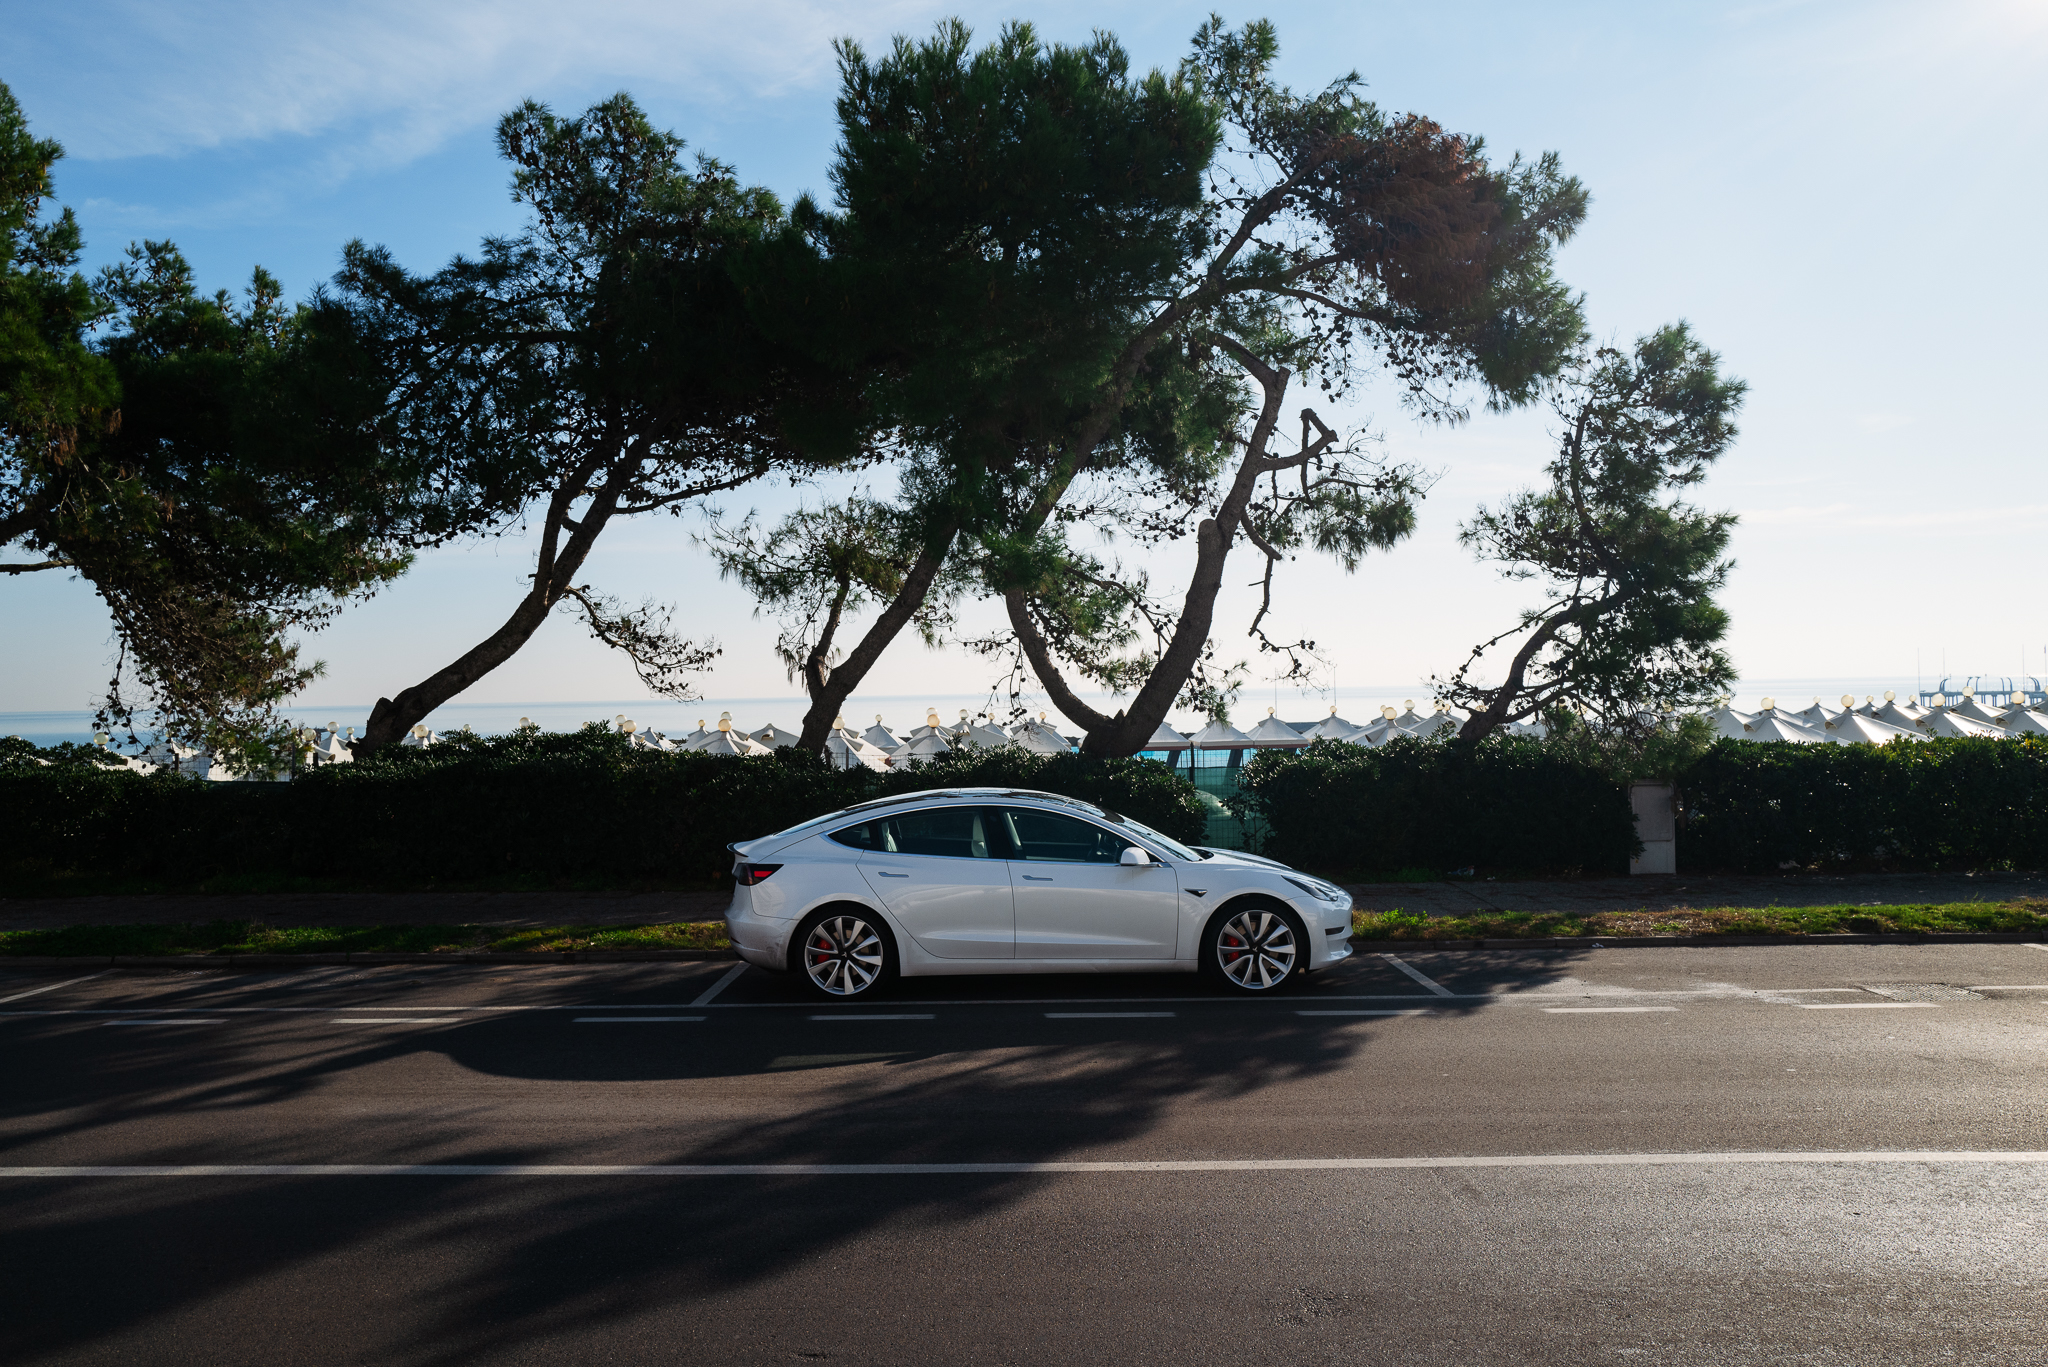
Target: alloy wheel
{"points": [[843, 955], [1256, 949]]}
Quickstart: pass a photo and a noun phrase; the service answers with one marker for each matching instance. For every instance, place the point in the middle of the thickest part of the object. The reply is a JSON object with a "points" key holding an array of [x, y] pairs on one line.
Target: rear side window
{"points": [[940, 832]]}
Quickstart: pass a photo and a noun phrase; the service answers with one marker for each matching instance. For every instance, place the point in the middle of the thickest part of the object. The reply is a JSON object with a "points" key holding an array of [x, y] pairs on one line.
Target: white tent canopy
{"points": [[1274, 734], [880, 736], [1220, 735], [1332, 727], [1773, 725], [775, 738], [1168, 739], [1853, 728], [1944, 721]]}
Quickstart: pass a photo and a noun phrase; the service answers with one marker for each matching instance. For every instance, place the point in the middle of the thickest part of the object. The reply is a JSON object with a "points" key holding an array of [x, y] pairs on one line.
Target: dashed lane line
{"points": [[1544, 1160], [1366, 1013], [1602, 1010], [1108, 1015], [1867, 1006]]}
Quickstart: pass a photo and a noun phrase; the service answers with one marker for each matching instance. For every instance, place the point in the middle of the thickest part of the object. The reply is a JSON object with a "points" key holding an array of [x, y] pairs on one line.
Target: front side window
{"points": [[944, 832], [1050, 837]]}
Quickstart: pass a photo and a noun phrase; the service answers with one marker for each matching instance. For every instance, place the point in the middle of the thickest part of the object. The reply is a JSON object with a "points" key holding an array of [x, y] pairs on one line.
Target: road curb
{"points": [[1699, 941]]}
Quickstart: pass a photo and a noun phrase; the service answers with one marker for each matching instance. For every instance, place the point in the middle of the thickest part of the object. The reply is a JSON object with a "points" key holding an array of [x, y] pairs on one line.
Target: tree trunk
{"points": [[1127, 731], [830, 693], [391, 718]]}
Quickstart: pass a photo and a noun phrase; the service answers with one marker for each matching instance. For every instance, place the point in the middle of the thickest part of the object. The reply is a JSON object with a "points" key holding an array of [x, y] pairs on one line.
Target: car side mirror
{"points": [[1133, 857]]}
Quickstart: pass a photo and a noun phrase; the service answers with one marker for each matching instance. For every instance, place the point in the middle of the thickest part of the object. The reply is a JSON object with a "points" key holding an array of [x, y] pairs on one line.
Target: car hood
{"points": [[1222, 857]]}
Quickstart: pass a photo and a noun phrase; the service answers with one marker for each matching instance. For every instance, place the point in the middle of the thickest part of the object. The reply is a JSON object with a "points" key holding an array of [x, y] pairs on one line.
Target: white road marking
{"points": [[1429, 983], [1601, 1010], [38, 991], [849, 1016], [2011, 987], [1365, 1013], [731, 976], [1867, 1006], [629, 1020], [2031, 945], [1107, 1015], [394, 1020], [1544, 1160], [180, 1020]]}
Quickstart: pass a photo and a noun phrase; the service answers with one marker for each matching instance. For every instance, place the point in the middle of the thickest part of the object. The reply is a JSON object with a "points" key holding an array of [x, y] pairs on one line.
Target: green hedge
{"points": [[1510, 802], [1937, 804], [1525, 805], [582, 807]]}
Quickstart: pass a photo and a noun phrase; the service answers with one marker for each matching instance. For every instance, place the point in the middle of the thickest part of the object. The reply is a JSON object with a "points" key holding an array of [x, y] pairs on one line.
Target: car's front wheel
{"points": [[845, 954], [1254, 947]]}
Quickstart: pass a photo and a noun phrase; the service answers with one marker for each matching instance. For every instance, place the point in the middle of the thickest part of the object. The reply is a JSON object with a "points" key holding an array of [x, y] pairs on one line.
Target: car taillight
{"points": [[746, 875]]}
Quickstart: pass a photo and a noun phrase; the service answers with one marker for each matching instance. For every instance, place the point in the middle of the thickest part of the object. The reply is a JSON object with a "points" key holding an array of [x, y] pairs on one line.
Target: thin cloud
{"points": [[187, 78]]}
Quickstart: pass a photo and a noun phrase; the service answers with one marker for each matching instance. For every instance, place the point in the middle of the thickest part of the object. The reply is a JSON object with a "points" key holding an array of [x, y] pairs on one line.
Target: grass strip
{"points": [[254, 937], [2024, 917]]}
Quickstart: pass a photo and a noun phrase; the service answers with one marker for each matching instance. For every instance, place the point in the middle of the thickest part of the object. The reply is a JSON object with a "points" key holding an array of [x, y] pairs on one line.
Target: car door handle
{"points": [[1037, 878], [884, 873]]}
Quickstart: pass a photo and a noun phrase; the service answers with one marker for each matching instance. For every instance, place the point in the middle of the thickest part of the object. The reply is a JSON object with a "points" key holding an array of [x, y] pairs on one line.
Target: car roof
{"points": [[974, 795]]}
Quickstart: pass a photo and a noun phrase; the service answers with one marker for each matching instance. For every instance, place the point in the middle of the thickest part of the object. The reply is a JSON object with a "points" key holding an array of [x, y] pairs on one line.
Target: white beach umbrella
{"points": [[932, 727], [1039, 741], [726, 741], [921, 748], [1900, 714], [880, 736], [1820, 714], [1410, 720], [1729, 723], [1332, 727], [1968, 706], [1772, 725], [1220, 735], [2024, 721], [845, 748], [1167, 739], [1274, 734], [775, 738], [1436, 723], [696, 737], [1853, 728], [1945, 721]]}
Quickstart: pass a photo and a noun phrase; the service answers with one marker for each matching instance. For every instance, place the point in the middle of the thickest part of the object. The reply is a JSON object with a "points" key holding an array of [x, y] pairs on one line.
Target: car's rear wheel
{"points": [[845, 954], [1254, 946]]}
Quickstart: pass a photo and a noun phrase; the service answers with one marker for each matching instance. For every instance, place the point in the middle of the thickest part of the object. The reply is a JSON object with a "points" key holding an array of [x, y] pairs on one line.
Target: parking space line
{"points": [[52, 987], [1602, 1010], [1107, 1015], [1429, 983], [631, 1020], [850, 1016], [731, 976], [1866, 1006], [1366, 1013]]}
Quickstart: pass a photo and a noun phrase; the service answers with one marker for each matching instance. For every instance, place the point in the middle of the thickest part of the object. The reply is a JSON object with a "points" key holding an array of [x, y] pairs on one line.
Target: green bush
{"points": [[1521, 804], [1937, 804], [583, 807], [1507, 802]]}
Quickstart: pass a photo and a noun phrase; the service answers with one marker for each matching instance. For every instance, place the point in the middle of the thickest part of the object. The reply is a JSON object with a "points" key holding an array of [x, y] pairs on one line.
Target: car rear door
{"points": [[1075, 901], [935, 870]]}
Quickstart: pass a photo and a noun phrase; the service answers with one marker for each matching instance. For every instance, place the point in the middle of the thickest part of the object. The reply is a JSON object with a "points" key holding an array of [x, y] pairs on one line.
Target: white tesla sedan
{"points": [[988, 880]]}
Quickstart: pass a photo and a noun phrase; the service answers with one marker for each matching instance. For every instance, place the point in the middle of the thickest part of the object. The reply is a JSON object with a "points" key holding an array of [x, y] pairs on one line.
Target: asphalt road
{"points": [[1082, 1170]]}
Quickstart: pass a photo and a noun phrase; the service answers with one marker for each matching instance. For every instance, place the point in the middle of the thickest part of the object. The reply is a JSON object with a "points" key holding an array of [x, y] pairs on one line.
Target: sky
{"points": [[1842, 199]]}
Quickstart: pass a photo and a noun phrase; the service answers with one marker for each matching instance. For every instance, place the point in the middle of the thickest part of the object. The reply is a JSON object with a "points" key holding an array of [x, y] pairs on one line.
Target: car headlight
{"points": [[1322, 892]]}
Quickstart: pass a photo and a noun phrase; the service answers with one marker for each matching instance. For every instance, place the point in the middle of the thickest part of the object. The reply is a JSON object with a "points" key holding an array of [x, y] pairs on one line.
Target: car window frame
{"points": [[1017, 856]]}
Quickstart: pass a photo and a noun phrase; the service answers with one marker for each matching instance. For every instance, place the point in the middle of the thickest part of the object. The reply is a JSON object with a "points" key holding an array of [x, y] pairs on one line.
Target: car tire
{"points": [[1255, 946], [844, 953]]}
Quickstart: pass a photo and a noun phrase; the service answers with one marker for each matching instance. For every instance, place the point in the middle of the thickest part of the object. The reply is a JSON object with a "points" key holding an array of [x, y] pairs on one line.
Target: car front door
{"points": [[1075, 901], [937, 874]]}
